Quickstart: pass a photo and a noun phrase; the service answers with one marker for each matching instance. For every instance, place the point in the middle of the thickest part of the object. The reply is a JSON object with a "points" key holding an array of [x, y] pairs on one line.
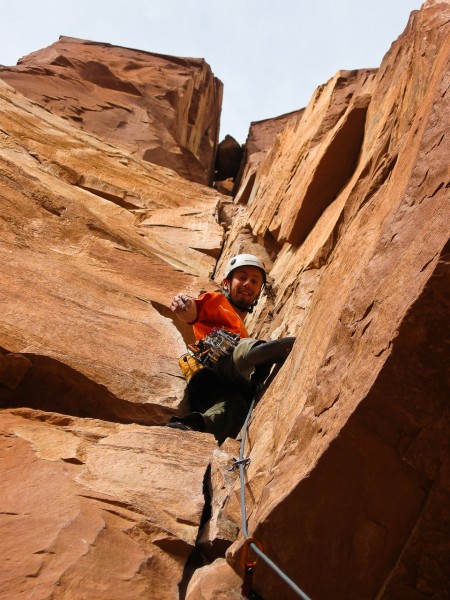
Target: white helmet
{"points": [[244, 260]]}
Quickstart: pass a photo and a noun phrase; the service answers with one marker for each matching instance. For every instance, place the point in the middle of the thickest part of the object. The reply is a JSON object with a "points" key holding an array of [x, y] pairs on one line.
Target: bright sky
{"points": [[270, 55]]}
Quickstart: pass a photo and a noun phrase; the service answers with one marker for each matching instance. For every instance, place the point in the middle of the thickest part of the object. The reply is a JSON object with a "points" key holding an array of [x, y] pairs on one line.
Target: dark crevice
{"points": [[186, 164], [108, 196], [103, 233], [367, 311], [332, 173], [366, 326], [271, 243], [212, 252], [246, 191], [73, 461], [439, 187], [387, 164], [427, 263], [197, 559], [111, 502]]}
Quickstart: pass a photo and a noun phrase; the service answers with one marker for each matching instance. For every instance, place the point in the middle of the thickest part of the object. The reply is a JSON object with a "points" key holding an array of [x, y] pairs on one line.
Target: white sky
{"points": [[270, 55]]}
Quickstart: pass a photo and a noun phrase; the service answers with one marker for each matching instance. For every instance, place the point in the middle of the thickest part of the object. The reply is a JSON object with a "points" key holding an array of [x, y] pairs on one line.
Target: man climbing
{"points": [[220, 393]]}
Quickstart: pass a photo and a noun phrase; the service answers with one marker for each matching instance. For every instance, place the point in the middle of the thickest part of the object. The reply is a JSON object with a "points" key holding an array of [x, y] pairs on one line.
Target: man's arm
{"points": [[184, 307]]}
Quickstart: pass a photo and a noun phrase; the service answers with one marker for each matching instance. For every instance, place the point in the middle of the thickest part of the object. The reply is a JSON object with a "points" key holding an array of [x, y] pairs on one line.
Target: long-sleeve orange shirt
{"points": [[214, 311]]}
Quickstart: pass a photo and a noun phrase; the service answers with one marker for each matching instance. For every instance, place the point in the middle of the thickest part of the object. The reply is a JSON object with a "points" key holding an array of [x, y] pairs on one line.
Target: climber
{"points": [[221, 386]]}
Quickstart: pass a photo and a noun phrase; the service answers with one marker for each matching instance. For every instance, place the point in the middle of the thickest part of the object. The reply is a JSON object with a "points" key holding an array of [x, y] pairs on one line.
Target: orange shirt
{"points": [[214, 311]]}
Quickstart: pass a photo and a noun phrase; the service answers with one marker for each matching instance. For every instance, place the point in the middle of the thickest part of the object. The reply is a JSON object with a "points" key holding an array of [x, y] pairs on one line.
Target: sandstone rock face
{"points": [[84, 514], [222, 527], [218, 581], [349, 445], [94, 243], [261, 137], [348, 486], [93, 246], [318, 155], [163, 109]]}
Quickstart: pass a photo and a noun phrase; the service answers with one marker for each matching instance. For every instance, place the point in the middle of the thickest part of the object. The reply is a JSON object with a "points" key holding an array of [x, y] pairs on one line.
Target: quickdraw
{"points": [[208, 351]]}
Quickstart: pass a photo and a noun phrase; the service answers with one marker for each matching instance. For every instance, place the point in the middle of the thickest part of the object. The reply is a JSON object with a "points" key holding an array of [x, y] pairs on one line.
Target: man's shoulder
{"points": [[210, 296], [216, 301]]}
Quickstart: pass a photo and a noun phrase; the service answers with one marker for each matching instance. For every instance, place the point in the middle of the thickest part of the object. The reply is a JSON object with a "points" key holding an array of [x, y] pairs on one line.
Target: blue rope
{"points": [[254, 547]]}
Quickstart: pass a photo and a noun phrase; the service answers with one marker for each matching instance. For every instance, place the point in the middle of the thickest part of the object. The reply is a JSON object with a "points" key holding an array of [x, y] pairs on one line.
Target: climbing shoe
{"points": [[191, 422], [271, 352], [178, 425]]}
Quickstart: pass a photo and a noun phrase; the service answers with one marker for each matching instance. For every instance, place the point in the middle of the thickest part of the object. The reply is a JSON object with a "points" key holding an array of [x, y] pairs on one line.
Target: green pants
{"points": [[223, 395]]}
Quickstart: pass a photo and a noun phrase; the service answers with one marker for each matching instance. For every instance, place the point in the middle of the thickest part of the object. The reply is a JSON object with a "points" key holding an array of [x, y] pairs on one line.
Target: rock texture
{"points": [[222, 527], [317, 156], [94, 242], [261, 137], [89, 262], [83, 512], [164, 109], [356, 423], [348, 486], [219, 582]]}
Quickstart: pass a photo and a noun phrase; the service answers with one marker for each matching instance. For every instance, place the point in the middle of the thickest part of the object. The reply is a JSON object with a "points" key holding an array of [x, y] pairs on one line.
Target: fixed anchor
{"points": [[244, 462]]}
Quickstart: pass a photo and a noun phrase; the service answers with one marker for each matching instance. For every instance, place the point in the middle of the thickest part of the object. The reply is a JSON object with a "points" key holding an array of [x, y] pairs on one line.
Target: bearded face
{"points": [[244, 286]]}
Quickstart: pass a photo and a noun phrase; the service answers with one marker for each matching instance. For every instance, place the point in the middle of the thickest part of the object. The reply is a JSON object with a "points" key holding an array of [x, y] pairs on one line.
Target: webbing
{"points": [[253, 546]]}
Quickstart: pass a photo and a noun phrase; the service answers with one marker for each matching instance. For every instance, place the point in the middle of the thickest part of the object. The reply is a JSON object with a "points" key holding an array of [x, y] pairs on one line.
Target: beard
{"points": [[241, 301]]}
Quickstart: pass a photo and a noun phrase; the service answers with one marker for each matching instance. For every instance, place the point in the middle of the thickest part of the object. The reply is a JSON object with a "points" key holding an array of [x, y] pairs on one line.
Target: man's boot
{"points": [[192, 422]]}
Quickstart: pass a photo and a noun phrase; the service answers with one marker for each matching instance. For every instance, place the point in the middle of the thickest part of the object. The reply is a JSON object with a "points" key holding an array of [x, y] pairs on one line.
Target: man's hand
{"points": [[184, 307], [180, 303]]}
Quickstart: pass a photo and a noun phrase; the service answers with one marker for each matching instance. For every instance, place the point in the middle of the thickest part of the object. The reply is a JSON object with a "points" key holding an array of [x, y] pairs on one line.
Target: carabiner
{"points": [[245, 549]]}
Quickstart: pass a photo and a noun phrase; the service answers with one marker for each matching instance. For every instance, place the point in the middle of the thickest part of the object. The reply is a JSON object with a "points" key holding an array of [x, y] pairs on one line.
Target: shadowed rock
{"points": [[228, 159]]}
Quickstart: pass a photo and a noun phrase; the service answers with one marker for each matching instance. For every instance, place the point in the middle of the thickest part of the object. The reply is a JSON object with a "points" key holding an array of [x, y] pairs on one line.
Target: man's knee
{"points": [[242, 366]]}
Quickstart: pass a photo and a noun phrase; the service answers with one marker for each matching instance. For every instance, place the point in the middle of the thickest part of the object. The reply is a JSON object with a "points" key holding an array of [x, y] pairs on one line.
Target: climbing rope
{"points": [[251, 542]]}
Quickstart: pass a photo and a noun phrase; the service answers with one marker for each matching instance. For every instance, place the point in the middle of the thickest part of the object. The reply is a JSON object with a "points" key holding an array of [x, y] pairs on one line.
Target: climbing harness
{"points": [[251, 542], [208, 351]]}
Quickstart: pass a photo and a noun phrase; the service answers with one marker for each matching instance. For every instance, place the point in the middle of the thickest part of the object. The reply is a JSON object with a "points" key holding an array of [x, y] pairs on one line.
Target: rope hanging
{"points": [[249, 541]]}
